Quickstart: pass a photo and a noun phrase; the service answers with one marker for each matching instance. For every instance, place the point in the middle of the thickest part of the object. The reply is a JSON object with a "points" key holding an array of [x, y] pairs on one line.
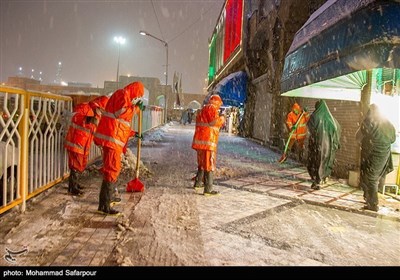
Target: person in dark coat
{"points": [[376, 134], [184, 117], [323, 143]]}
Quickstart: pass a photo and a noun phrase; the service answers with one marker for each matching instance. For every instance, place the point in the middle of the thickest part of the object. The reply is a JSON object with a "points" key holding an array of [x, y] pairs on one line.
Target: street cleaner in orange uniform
{"points": [[79, 138], [296, 123], [205, 141], [113, 134]]}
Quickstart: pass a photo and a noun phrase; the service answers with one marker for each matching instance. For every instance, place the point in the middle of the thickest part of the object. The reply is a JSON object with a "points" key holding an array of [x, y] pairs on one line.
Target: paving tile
{"points": [[69, 253], [61, 261], [305, 187], [303, 176], [87, 230], [292, 172], [73, 245], [347, 203], [81, 261], [329, 193], [316, 198], [352, 197], [99, 259], [235, 183], [259, 188], [80, 239], [83, 258], [358, 192], [275, 184], [339, 188], [287, 192], [101, 232], [250, 179]]}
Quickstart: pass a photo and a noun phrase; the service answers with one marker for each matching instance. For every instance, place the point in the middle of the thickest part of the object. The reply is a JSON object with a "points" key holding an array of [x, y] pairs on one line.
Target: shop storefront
{"points": [[348, 52]]}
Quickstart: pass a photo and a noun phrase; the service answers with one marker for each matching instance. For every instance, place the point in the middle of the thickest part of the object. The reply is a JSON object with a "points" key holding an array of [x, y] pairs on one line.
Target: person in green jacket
{"points": [[323, 142]]}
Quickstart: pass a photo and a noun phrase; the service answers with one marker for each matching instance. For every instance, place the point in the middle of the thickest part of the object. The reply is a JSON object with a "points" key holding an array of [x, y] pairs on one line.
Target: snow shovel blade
{"points": [[283, 158], [135, 186]]}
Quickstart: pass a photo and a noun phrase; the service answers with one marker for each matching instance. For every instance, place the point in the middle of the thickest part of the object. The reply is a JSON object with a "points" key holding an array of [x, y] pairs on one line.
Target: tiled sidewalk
{"points": [[293, 182]]}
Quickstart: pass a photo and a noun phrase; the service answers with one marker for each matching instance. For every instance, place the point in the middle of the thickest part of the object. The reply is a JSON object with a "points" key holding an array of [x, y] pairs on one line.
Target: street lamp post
{"points": [[120, 41], [144, 33]]}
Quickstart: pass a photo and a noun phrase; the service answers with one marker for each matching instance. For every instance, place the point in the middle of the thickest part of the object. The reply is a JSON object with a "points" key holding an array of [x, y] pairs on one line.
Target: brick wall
{"points": [[347, 113]]}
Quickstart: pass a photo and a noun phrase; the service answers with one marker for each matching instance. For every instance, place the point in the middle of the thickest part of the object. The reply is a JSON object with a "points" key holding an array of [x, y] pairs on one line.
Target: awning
{"points": [[233, 89], [339, 40]]}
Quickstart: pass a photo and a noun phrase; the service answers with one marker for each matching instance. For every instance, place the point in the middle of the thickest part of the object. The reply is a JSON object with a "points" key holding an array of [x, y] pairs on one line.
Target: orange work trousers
{"points": [[299, 142], [111, 164], [77, 161], [206, 160]]}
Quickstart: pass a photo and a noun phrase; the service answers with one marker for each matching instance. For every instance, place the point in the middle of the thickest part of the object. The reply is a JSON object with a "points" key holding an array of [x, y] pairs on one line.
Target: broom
{"points": [[136, 185], [284, 156]]}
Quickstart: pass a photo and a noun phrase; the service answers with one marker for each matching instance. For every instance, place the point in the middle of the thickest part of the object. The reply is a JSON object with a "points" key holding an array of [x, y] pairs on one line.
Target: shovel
{"points": [[136, 185]]}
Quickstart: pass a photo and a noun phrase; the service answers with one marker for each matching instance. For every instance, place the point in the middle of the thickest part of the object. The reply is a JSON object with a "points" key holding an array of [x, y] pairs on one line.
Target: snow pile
{"points": [[128, 165], [224, 172], [122, 238], [155, 136]]}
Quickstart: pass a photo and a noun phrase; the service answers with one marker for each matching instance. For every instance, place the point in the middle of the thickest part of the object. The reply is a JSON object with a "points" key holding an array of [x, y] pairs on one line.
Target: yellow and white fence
{"points": [[33, 126]]}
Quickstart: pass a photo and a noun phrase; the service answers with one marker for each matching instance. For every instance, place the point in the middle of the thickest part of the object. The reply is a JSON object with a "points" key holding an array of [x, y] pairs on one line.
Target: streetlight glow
{"points": [[166, 67], [120, 41]]}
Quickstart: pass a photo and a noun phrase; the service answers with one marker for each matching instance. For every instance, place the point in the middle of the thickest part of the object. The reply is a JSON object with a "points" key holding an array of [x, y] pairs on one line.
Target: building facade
{"points": [[268, 30]]}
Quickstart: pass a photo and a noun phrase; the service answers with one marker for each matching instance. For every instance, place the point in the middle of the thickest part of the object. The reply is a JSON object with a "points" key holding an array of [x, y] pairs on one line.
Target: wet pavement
{"points": [[266, 214]]}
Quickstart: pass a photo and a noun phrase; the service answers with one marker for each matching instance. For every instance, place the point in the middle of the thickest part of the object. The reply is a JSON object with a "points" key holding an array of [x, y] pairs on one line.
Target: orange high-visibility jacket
{"points": [[301, 131], [80, 132], [99, 103], [206, 133], [114, 128]]}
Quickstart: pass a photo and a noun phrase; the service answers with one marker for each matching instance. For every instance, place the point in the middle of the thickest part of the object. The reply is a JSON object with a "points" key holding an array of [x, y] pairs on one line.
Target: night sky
{"points": [[39, 34]]}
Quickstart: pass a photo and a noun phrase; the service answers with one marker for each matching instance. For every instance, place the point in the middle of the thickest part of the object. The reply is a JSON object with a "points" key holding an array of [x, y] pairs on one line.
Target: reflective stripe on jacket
{"points": [[208, 123], [114, 128], [80, 133], [301, 131]]}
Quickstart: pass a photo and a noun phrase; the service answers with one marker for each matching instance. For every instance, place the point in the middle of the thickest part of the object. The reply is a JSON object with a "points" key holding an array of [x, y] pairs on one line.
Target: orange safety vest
{"points": [[80, 133], [114, 128], [301, 131], [208, 123]]}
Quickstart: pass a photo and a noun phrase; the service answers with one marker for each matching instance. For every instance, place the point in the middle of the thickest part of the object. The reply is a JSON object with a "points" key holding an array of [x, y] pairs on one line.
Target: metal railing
{"points": [[31, 136], [33, 126]]}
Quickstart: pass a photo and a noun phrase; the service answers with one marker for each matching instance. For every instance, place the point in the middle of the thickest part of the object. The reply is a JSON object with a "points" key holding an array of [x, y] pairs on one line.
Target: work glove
{"points": [[92, 120], [140, 105], [305, 109], [137, 135], [294, 128]]}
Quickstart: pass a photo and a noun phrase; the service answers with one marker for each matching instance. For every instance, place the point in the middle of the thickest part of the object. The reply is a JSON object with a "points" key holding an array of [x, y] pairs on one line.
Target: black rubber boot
{"points": [[74, 175], [372, 202], [73, 188], [115, 197], [208, 188], [105, 199], [198, 183]]}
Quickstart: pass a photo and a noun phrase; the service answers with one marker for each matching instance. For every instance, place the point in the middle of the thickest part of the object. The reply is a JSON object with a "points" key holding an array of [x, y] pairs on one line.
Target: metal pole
{"points": [[166, 71], [117, 80], [166, 84]]}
